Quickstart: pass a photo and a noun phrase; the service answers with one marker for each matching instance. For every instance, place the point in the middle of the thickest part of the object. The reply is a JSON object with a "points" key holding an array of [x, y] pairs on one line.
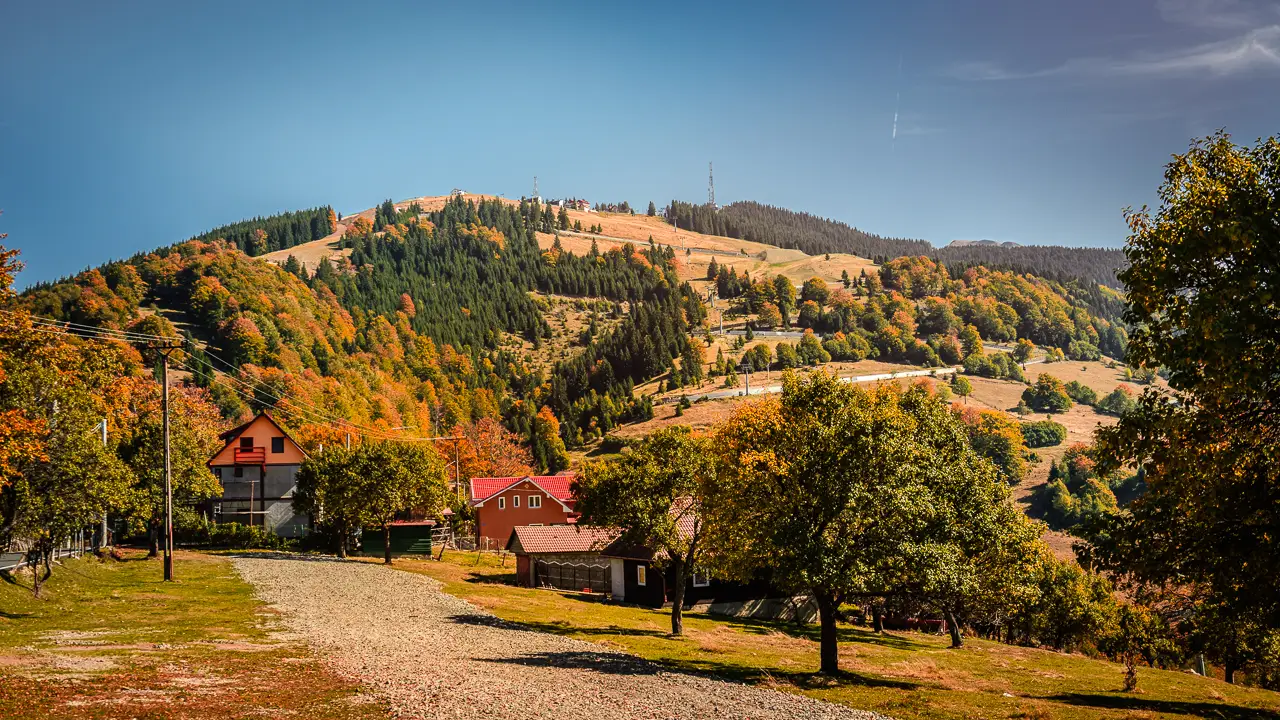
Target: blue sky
{"points": [[125, 126]]}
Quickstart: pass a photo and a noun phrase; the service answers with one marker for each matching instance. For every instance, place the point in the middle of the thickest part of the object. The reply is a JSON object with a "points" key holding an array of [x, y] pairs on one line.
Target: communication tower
{"points": [[711, 186]]}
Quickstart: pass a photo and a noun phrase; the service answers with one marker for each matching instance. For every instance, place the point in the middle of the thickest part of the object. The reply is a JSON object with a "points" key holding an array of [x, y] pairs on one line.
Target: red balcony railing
{"points": [[251, 456]]}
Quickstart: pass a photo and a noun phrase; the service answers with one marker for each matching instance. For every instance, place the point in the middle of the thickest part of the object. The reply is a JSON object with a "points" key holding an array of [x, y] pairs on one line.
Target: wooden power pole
{"points": [[164, 351]]}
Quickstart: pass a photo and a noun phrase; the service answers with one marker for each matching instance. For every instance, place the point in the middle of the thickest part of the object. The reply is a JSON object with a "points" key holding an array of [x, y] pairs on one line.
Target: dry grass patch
{"points": [[110, 639]]}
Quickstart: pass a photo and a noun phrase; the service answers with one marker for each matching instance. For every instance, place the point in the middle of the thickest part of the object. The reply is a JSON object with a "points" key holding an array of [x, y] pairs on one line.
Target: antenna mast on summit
{"points": [[711, 186], [535, 189]]}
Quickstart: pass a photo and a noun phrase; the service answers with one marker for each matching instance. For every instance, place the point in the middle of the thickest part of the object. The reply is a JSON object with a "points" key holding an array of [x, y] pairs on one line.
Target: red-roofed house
{"points": [[562, 556], [502, 503]]}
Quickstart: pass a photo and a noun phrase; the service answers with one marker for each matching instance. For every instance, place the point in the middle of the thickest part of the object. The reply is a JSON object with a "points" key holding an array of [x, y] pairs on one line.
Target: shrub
{"points": [[1081, 350], [995, 366], [1119, 402], [1047, 395], [788, 357], [231, 535], [1044, 433], [1081, 393]]}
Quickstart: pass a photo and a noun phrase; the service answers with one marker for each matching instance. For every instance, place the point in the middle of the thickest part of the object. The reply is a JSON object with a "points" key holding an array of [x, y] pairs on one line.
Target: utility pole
{"points": [[164, 351], [103, 542]]}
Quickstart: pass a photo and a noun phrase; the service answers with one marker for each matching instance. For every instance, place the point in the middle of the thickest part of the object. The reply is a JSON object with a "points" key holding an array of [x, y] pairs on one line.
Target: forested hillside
{"points": [[789, 229], [277, 232], [421, 327], [816, 236], [914, 310]]}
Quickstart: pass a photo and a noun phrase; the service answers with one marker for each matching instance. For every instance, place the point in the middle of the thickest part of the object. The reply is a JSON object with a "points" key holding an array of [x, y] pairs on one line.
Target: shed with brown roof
{"points": [[562, 556]]}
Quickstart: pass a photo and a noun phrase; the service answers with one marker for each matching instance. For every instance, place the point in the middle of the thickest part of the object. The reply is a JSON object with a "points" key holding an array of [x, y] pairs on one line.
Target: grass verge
{"points": [[110, 639], [906, 675]]}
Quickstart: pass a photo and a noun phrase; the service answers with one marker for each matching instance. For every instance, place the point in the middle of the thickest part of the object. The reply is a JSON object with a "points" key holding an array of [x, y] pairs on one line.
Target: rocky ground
{"points": [[431, 655]]}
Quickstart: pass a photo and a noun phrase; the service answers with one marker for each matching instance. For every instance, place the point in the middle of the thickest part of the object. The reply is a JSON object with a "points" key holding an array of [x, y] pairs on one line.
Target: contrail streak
{"points": [[897, 102]]}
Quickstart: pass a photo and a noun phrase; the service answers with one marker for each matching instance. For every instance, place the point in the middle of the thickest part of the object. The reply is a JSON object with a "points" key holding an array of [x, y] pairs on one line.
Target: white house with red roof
{"points": [[502, 503]]}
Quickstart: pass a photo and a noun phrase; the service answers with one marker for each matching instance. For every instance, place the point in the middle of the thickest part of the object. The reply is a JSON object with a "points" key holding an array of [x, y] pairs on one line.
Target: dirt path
{"points": [[432, 655]]}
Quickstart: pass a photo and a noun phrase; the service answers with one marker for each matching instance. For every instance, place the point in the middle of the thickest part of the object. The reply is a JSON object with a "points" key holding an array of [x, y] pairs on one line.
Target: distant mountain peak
{"points": [[988, 243]]}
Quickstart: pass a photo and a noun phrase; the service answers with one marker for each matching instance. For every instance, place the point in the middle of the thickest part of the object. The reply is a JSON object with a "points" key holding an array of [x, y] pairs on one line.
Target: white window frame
{"points": [[515, 501], [700, 580], [640, 575], [535, 502], [502, 503]]}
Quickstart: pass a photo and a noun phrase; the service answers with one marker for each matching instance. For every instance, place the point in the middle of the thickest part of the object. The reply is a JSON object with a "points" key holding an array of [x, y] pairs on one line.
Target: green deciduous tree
{"points": [[1081, 393], [1047, 395], [396, 478], [194, 422], [327, 488], [1203, 285], [841, 492], [971, 341], [654, 492], [1118, 402], [1022, 351], [548, 448]]}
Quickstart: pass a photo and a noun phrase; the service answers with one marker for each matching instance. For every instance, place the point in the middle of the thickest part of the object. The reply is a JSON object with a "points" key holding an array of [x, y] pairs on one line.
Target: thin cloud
{"points": [[1219, 14], [1254, 50]]}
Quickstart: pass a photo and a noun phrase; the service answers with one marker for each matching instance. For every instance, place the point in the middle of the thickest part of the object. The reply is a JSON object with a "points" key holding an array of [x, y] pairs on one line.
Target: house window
{"points": [[700, 579], [217, 472], [640, 574], [246, 443], [502, 503], [515, 501], [239, 472], [535, 502], [277, 445]]}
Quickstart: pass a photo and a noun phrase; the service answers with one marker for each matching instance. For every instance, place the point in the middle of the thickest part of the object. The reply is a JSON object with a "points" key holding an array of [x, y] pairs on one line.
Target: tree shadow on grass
{"points": [[1172, 707], [479, 578], [553, 628], [811, 631], [602, 662], [618, 664], [751, 675]]}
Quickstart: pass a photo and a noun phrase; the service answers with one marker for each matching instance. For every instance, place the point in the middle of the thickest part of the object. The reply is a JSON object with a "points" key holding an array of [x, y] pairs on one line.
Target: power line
{"points": [[315, 415], [256, 387]]}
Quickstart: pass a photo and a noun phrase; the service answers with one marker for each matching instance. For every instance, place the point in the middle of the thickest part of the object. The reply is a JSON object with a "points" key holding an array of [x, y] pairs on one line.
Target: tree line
{"points": [[815, 235], [262, 235]]}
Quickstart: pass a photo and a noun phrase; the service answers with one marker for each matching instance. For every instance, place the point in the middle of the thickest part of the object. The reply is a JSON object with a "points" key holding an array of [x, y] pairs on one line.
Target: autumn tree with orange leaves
{"points": [[56, 476], [487, 449]]}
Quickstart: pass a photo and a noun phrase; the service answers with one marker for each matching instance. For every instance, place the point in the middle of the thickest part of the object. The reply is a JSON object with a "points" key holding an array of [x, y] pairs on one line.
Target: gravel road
{"points": [[431, 655]]}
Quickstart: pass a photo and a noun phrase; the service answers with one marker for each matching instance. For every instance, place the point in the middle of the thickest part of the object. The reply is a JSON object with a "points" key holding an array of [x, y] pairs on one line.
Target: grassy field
{"points": [[110, 639], [909, 676]]}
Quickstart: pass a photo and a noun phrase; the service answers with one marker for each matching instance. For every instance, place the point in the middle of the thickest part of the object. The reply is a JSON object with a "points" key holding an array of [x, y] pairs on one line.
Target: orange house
{"points": [[257, 469], [502, 503]]}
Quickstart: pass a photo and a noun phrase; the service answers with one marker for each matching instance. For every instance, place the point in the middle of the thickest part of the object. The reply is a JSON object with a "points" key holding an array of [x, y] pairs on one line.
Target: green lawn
{"points": [[906, 675], [110, 639]]}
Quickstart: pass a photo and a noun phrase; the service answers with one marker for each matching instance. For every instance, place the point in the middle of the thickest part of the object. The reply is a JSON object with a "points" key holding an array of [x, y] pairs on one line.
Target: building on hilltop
{"points": [[502, 503], [257, 469]]}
